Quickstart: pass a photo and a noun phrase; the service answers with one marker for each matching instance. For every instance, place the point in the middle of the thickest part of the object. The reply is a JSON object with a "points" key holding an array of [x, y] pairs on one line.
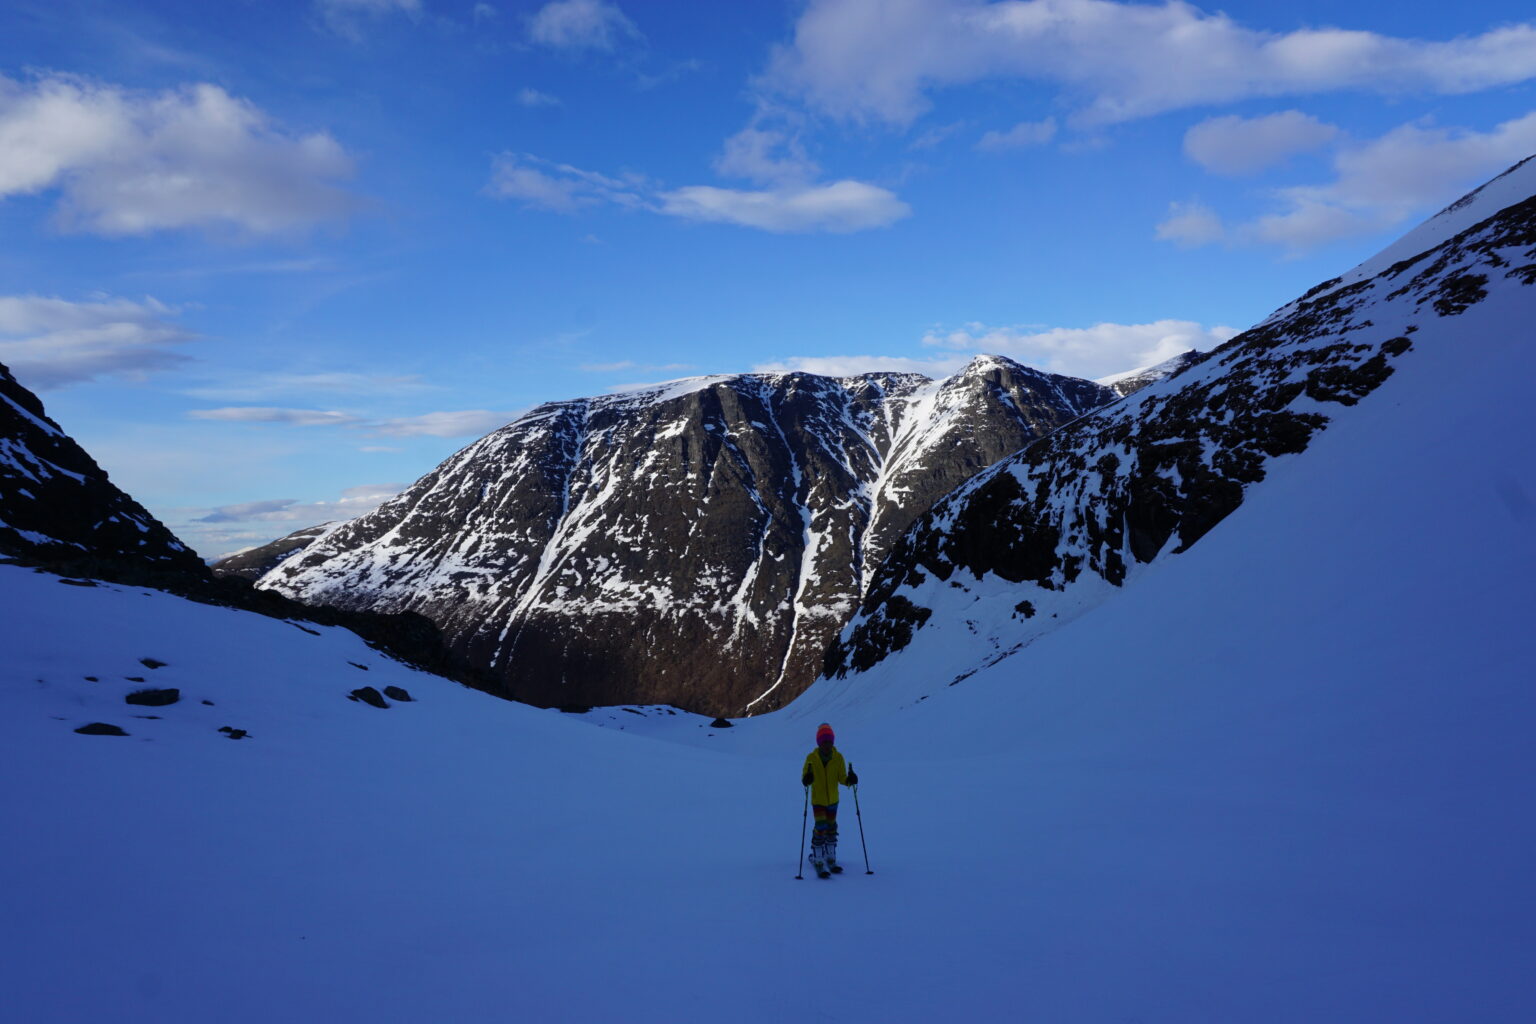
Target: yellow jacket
{"points": [[825, 778]]}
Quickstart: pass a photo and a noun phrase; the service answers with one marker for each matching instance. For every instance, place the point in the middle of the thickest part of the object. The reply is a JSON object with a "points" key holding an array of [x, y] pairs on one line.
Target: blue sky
{"points": [[271, 261]]}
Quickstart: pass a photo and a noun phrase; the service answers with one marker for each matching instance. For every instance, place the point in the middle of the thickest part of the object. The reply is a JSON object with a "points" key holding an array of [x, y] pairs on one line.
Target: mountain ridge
{"points": [[1060, 526], [728, 521]]}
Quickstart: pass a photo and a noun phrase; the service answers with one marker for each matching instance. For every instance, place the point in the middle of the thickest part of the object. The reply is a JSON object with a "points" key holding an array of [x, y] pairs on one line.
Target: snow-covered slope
{"points": [[1132, 381], [1044, 535], [1280, 779], [698, 543], [1513, 186]]}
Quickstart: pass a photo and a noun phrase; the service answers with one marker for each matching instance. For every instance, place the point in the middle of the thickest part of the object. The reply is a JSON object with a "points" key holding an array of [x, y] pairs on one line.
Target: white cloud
{"points": [[1191, 224], [842, 206], [533, 98], [853, 366], [464, 423], [873, 59], [50, 342], [1241, 145], [1412, 170], [767, 156], [581, 25], [1088, 352], [545, 185], [1025, 133], [271, 414], [838, 207], [127, 163]]}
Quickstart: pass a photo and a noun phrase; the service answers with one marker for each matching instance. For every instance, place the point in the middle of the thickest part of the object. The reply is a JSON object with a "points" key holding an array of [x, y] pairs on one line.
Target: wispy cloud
{"points": [[350, 18], [838, 207], [546, 185], [52, 343], [463, 423], [1025, 133], [128, 163], [457, 423], [267, 386], [534, 98], [577, 25], [273, 414]]}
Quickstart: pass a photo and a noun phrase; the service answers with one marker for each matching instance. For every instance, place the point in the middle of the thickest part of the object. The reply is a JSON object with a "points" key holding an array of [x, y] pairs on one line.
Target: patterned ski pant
{"points": [[824, 837]]}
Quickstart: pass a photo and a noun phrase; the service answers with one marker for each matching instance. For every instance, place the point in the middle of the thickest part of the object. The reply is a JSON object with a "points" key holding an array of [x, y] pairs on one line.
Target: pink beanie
{"points": [[823, 734]]}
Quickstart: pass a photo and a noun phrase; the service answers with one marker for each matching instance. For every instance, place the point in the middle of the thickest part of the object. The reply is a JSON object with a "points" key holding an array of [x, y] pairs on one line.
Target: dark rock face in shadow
{"points": [[696, 544]]}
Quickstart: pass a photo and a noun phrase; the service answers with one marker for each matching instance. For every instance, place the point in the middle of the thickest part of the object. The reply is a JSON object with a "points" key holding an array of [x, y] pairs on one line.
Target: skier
{"points": [[824, 772]]}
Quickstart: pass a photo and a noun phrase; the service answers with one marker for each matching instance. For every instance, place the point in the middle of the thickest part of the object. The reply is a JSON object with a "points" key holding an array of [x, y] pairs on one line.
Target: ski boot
{"points": [[819, 860]]}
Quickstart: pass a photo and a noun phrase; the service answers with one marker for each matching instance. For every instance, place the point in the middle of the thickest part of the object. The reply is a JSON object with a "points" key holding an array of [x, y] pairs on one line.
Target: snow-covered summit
{"points": [[1131, 381], [1513, 186]]}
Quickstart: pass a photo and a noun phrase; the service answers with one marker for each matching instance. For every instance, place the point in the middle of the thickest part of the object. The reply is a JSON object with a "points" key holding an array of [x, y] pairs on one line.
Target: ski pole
{"points": [[858, 814], [800, 864]]}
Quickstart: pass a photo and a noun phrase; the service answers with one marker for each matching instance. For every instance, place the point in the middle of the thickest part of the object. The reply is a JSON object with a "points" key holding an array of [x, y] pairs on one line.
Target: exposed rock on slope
{"points": [[1056, 527], [697, 543], [58, 508]]}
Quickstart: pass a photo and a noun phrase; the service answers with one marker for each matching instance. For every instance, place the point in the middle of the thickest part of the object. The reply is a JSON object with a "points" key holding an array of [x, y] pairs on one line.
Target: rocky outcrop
{"points": [[59, 509], [1065, 521], [698, 543]]}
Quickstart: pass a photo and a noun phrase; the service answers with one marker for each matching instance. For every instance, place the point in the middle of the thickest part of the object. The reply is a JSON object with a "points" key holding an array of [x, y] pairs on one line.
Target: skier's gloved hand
{"points": [[853, 778], [805, 780]]}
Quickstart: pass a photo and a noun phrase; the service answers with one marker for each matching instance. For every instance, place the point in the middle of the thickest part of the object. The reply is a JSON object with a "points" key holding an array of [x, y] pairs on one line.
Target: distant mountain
{"points": [[256, 562], [1132, 381], [696, 543], [59, 509], [1045, 534]]}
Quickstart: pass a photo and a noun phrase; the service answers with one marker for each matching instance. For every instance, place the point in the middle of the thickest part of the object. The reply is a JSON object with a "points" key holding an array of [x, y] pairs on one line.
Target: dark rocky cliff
{"points": [[58, 508], [699, 543]]}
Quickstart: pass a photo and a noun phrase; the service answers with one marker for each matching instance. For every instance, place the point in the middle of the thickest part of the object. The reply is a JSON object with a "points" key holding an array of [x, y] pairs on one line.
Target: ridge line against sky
{"points": [[408, 220]]}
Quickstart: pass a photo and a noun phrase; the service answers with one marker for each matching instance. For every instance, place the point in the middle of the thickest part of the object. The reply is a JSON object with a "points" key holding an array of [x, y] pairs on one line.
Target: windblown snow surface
{"points": [[1286, 775]]}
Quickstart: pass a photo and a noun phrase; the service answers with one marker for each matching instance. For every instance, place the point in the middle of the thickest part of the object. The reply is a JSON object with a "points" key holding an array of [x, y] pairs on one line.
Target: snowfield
{"points": [[1287, 775]]}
